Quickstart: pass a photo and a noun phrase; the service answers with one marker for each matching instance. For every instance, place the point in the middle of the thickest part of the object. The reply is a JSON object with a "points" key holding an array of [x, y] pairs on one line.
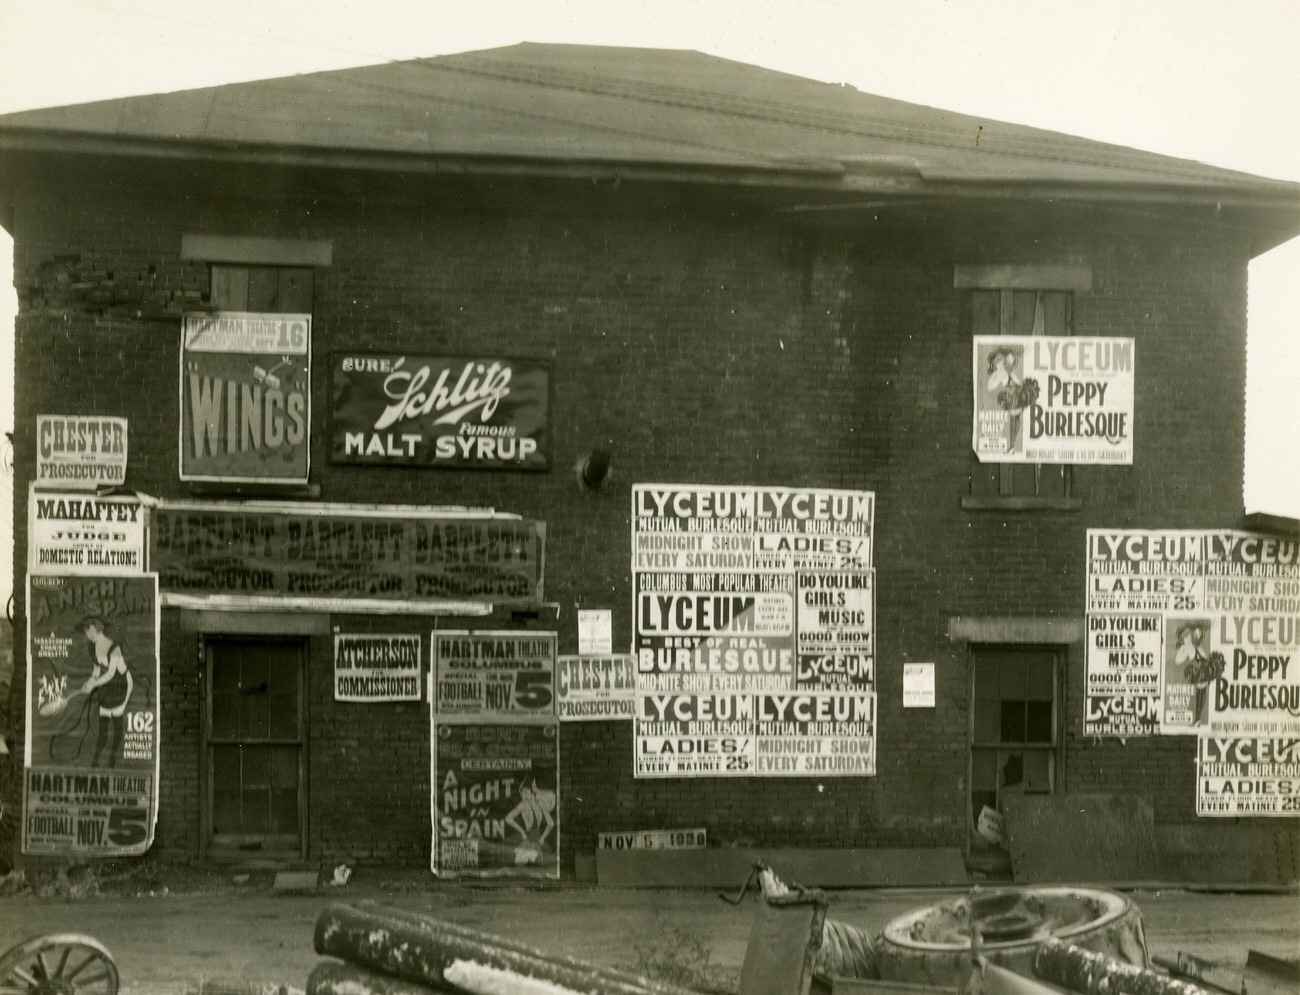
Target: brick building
{"points": [[706, 275]]}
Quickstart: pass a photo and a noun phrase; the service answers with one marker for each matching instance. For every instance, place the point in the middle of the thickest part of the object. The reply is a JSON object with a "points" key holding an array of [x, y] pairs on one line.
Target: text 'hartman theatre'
{"points": [[620, 464]]}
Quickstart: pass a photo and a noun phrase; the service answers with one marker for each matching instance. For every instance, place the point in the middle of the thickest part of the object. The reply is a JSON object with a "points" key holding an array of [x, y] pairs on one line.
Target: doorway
{"points": [[1015, 735], [254, 750]]}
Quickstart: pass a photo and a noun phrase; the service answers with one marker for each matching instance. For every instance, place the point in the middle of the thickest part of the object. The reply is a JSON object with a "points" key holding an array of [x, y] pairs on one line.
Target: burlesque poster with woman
{"points": [[1053, 399], [91, 750], [495, 799]]}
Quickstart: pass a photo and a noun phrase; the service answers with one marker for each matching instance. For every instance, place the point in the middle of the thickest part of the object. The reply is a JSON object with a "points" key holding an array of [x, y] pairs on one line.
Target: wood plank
{"points": [[782, 944], [1218, 852], [1083, 837], [257, 250]]}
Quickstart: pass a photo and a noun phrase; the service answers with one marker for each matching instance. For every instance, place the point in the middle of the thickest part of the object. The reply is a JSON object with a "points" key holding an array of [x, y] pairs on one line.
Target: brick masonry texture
{"points": [[698, 339]]}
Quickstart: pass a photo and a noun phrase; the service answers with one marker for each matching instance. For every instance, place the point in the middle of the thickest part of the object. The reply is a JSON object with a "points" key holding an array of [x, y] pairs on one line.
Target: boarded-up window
{"points": [[1020, 312], [262, 289]]}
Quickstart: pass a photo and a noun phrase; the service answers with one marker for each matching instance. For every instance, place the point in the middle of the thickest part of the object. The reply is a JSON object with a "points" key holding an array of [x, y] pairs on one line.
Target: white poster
{"points": [[80, 452], [78, 533], [1248, 776], [1053, 399], [918, 685], [595, 632], [376, 666], [754, 631], [595, 688], [1219, 612]]}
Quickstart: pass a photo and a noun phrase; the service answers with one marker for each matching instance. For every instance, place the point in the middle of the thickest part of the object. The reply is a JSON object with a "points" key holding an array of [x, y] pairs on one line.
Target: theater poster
{"points": [[1217, 611], [90, 762], [494, 755], [499, 675], [754, 631], [245, 391], [495, 799], [1053, 399], [1247, 776]]}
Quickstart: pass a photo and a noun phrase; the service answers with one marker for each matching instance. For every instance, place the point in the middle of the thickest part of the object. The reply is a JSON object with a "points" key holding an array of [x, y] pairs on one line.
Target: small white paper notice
{"points": [[595, 632], [918, 685]]}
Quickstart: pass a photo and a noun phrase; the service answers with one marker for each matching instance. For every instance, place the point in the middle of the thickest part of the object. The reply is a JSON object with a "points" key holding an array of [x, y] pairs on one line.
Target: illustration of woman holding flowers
{"points": [[1013, 392], [1199, 668]]}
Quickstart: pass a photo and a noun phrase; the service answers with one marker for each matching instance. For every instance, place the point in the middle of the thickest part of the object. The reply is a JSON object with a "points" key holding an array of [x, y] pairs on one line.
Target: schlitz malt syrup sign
{"points": [[467, 412], [245, 397]]}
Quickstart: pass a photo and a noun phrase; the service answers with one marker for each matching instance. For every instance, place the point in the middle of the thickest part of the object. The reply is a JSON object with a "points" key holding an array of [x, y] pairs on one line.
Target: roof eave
{"points": [[1277, 210], [1271, 216], [777, 171]]}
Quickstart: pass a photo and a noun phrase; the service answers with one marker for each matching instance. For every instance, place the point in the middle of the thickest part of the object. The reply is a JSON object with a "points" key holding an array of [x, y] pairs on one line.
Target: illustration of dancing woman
{"points": [[108, 689], [534, 810]]}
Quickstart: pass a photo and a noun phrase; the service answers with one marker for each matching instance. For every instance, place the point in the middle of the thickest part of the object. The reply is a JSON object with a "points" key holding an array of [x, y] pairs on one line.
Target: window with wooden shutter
{"points": [[1022, 300], [262, 289], [1020, 312]]}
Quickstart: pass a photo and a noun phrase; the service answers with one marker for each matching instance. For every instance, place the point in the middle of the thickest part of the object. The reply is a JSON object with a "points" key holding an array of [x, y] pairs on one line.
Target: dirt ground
{"points": [[175, 936]]}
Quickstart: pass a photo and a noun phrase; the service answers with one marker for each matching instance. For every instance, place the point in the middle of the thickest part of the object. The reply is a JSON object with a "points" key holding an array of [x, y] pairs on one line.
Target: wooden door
{"points": [[255, 749]]}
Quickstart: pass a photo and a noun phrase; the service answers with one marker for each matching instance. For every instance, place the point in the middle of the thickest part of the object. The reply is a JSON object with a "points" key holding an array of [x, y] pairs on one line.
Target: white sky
{"points": [[1213, 80]]}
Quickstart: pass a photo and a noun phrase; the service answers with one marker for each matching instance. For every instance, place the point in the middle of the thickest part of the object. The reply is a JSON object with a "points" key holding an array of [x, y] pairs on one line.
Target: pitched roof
{"points": [[543, 104]]}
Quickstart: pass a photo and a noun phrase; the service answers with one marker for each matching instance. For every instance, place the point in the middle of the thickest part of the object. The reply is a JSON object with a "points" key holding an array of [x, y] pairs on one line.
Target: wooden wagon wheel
{"points": [[58, 964]]}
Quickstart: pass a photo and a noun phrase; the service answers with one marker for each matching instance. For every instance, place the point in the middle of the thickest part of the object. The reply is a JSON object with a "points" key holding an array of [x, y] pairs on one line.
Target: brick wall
{"points": [[180, 692], [368, 783], [697, 340]]}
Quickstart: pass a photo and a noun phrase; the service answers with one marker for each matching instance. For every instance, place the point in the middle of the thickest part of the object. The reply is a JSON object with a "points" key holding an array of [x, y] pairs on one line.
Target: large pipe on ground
{"points": [[334, 977], [421, 949], [1092, 973]]}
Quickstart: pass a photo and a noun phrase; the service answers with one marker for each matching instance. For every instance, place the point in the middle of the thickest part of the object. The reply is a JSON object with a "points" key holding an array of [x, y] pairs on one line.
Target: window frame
{"points": [[1048, 656], [261, 288], [1006, 281], [222, 651], [257, 275]]}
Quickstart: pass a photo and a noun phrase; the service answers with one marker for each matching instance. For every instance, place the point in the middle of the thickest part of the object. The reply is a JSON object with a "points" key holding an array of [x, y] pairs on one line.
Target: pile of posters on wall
{"points": [[245, 397], [1216, 615], [754, 631], [91, 750], [495, 755], [1053, 399], [595, 688], [376, 666]]}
